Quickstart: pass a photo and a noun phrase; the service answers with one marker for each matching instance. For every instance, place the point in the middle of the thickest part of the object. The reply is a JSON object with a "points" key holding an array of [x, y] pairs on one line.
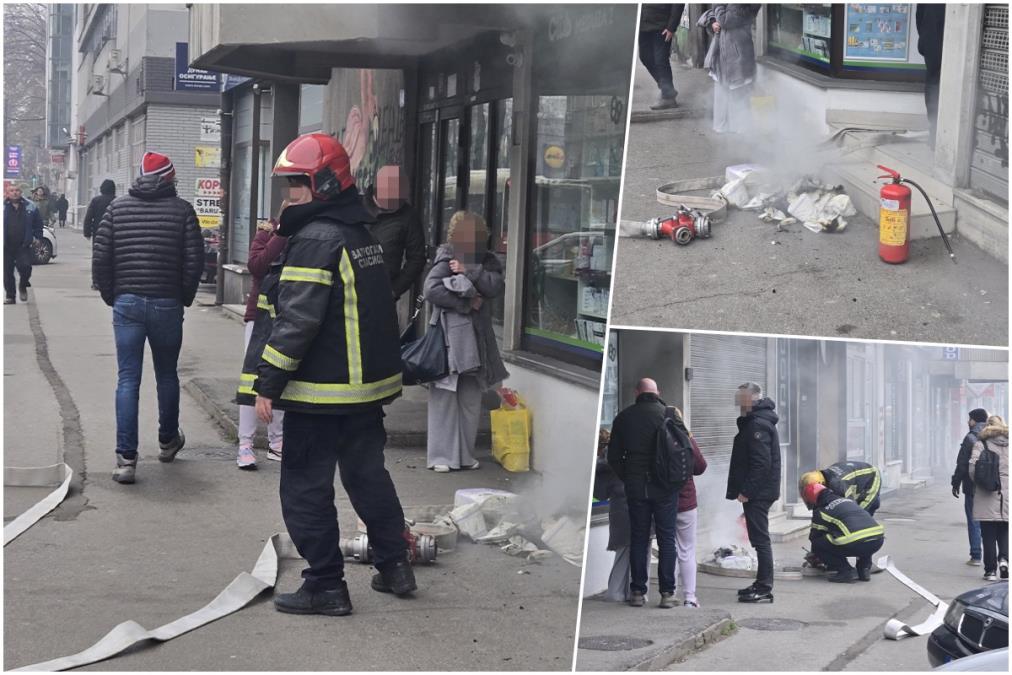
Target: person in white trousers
{"points": [[685, 524]]}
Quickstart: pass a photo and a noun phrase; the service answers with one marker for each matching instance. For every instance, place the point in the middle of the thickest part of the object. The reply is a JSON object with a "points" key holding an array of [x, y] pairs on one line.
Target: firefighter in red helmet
{"points": [[330, 359], [841, 529]]}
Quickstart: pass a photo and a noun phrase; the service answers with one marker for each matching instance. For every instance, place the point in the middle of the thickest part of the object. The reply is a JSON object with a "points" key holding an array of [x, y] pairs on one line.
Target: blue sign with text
{"points": [[192, 79], [12, 167]]}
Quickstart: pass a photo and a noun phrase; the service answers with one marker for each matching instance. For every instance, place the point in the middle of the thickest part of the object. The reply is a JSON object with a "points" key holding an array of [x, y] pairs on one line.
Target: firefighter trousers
{"points": [[835, 556], [313, 447]]}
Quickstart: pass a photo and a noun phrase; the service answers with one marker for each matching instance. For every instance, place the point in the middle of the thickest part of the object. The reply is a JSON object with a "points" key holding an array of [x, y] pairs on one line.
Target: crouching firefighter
{"points": [[841, 529], [331, 360], [859, 481]]}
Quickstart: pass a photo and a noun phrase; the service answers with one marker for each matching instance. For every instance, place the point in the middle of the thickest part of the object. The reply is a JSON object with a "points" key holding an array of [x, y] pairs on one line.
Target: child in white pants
{"points": [[248, 426], [685, 547]]}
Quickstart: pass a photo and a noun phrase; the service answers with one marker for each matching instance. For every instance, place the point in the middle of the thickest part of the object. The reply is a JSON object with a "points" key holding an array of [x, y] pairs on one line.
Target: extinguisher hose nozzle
{"points": [[941, 231]]}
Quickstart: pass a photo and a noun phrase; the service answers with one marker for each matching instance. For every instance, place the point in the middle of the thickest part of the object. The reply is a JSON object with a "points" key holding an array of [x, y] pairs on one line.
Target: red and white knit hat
{"points": [[159, 165]]}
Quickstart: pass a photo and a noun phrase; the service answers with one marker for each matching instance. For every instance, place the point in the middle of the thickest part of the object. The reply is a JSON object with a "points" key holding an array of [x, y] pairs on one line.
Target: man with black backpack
{"points": [[653, 457], [753, 479]]}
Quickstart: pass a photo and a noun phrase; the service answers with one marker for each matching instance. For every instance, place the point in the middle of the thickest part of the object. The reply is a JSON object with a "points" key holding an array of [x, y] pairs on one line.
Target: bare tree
{"points": [[24, 37]]}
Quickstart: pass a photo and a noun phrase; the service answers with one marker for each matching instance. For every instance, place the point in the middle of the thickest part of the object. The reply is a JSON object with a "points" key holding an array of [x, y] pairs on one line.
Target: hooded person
{"points": [[841, 529], [147, 258], [989, 470], [753, 479], [96, 209], [330, 358]]}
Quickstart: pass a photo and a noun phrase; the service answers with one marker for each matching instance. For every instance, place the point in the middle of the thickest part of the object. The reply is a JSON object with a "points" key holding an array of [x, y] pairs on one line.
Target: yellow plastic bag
{"points": [[511, 436]]}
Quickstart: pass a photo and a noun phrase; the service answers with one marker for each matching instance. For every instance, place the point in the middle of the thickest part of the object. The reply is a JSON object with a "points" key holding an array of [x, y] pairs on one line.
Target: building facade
{"points": [[133, 97], [59, 75], [902, 408], [515, 112]]}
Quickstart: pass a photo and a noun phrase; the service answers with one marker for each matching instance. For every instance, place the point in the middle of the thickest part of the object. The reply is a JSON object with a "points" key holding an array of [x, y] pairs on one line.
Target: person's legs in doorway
{"points": [[972, 530]]}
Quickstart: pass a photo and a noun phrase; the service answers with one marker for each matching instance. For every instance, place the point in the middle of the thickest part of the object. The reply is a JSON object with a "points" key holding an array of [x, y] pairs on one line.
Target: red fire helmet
{"points": [[322, 159], [811, 493]]}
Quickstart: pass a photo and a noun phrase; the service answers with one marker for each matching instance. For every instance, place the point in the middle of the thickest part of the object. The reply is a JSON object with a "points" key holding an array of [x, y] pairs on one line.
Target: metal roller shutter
{"points": [[719, 364], [989, 161]]}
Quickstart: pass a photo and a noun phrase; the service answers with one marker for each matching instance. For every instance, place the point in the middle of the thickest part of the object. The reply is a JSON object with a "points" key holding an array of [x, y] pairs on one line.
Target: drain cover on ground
{"points": [[614, 643], [772, 624]]}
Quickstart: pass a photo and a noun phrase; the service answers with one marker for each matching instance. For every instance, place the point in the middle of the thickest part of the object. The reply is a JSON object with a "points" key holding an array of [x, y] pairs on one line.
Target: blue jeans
{"points": [[160, 322], [972, 526], [662, 512]]}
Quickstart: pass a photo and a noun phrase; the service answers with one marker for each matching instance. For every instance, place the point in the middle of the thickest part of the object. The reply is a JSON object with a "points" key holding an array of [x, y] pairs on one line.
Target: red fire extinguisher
{"points": [[894, 219]]}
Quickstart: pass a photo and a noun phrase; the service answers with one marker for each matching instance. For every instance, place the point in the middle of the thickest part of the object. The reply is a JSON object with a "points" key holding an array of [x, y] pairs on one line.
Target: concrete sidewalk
{"points": [[750, 278], [158, 550]]}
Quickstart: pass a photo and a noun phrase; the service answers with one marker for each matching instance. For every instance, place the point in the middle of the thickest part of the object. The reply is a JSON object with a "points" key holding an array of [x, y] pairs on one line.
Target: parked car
{"points": [[44, 250], [977, 621], [994, 661]]}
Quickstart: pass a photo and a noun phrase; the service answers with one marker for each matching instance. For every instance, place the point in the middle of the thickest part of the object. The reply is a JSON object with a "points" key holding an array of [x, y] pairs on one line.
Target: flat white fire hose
{"points": [[896, 629], [243, 589], [36, 476]]}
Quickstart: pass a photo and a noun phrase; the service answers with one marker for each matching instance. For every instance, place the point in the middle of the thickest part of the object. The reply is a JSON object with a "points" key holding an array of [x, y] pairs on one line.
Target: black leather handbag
{"points": [[424, 360]]}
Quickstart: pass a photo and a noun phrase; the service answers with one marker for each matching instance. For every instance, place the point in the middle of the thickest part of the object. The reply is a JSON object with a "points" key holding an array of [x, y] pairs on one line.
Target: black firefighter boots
{"points": [[756, 593], [398, 578], [847, 576], [864, 570], [335, 602]]}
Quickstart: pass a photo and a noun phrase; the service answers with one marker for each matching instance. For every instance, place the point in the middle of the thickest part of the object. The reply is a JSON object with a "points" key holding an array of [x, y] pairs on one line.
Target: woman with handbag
{"points": [[464, 276]]}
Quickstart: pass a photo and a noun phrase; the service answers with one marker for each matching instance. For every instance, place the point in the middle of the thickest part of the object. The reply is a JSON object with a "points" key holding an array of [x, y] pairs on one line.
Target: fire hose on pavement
{"points": [[896, 629]]}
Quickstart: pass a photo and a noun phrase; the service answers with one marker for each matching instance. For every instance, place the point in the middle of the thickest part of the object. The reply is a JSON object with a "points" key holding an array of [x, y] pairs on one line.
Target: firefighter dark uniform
{"points": [[841, 529], [325, 349], [859, 481]]}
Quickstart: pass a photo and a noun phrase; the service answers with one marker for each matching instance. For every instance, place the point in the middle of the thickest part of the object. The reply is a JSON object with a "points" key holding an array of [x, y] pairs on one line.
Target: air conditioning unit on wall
{"points": [[97, 85], [117, 61]]}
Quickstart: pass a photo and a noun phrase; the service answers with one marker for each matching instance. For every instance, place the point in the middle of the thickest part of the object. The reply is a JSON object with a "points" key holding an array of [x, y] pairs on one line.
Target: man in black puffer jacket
{"points": [[147, 258], [753, 479]]}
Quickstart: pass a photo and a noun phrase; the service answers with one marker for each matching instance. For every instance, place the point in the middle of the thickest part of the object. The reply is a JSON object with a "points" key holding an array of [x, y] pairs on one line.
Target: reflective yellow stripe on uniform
{"points": [[876, 484], [308, 274], [816, 526], [264, 303], [325, 393], [279, 360], [351, 328], [866, 533]]}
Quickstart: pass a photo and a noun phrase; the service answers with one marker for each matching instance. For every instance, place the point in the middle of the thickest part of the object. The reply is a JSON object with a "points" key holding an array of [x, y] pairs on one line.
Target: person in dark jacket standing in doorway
{"points": [[61, 209], [331, 360], [96, 209], [961, 479], [397, 228], [658, 24], [754, 480], [22, 227], [631, 454], [147, 258], [930, 19]]}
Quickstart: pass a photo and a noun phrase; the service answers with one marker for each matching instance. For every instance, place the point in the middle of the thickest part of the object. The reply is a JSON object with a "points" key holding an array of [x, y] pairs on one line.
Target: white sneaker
{"points": [[245, 459], [471, 467], [441, 468], [273, 454], [991, 577]]}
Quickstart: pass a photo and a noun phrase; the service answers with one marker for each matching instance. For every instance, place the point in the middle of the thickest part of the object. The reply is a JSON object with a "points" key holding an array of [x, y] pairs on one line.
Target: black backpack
{"points": [[986, 474], [673, 462]]}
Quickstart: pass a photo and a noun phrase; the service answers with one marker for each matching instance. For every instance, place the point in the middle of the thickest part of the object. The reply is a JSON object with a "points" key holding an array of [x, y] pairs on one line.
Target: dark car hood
{"points": [[993, 597]]}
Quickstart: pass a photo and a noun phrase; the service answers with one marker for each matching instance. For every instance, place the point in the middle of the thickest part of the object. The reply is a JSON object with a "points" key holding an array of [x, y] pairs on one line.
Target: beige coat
{"points": [[991, 505]]}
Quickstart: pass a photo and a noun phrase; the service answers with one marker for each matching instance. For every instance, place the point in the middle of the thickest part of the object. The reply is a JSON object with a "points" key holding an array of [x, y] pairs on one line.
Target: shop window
{"points": [[311, 107], [854, 40], [571, 233], [499, 213], [427, 178], [243, 194], [448, 203], [478, 160]]}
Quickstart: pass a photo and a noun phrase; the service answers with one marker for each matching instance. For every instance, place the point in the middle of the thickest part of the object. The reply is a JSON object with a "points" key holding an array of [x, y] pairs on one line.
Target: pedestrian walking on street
{"points": [[842, 529], [147, 258], [658, 24], [687, 520], [731, 62], [265, 250], [754, 480], [331, 361], [634, 438], [45, 203], [961, 478], [61, 209], [398, 229], [608, 486], [989, 470], [93, 216], [859, 481], [22, 228], [464, 277]]}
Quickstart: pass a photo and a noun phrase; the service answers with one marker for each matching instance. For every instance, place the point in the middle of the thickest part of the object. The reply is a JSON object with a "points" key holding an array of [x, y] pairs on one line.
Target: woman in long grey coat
{"points": [[991, 508], [731, 62], [464, 277]]}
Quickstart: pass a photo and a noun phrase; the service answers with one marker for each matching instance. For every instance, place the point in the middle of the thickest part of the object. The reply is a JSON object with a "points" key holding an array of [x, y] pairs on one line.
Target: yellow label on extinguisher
{"points": [[893, 226]]}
